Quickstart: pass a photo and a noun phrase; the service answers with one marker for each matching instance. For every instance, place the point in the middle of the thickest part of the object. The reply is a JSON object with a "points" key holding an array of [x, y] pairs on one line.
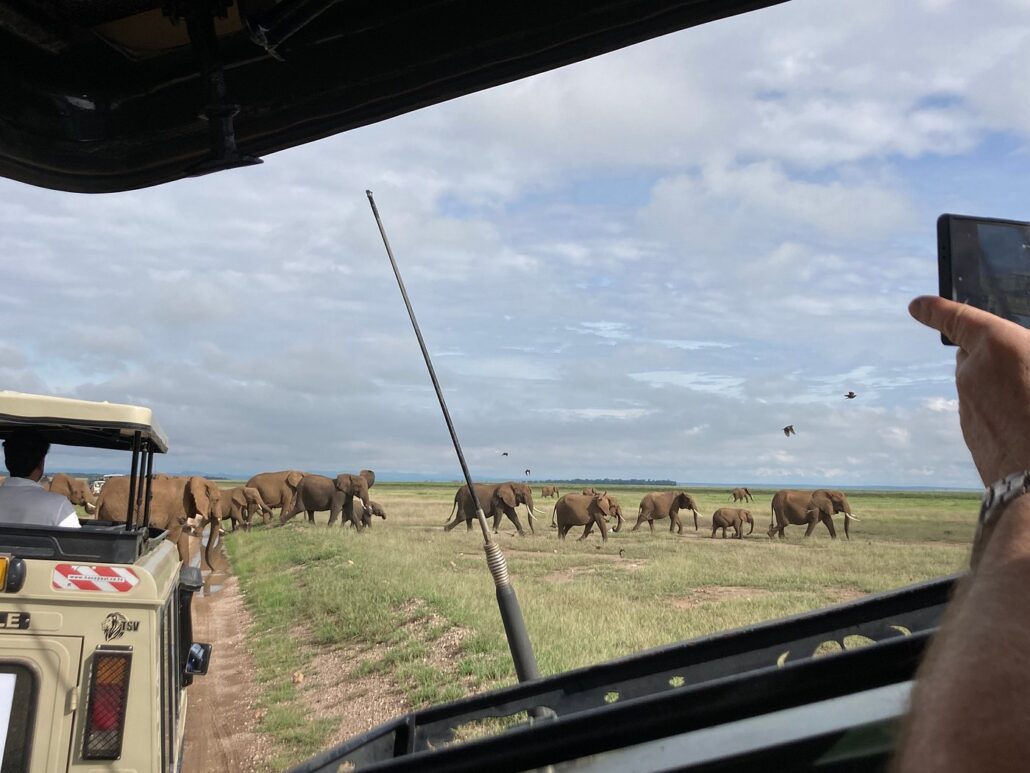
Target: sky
{"points": [[641, 265]]}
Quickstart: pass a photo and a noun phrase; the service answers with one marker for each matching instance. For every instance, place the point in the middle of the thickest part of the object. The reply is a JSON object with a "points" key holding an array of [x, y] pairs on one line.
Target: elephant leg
{"points": [[288, 512], [514, 518], [812, 521], [452, 524], [715, 528], [586, 531], [828, 520], [640, 521], [739, 531], [183, 546]]}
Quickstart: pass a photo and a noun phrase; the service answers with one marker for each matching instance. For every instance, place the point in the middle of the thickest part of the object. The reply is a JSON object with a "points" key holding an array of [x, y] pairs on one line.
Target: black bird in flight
{"points": [[527, 472], [504, 453], [850, 395], [789, 430]]}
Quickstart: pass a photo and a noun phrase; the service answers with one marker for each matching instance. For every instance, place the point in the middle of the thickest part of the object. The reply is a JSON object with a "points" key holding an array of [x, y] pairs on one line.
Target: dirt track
{"points": [[223, 714]]}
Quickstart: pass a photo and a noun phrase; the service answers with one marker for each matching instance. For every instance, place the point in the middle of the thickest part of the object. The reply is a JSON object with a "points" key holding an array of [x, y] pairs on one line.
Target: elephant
{"points": [[615, 510], [277, 489], [732, 518], [549, 491], [584, 510], [589, 492], [202, 503], [75, 489], [374, 508], [255, 504], [665, 504], [317, 492], [240, 503], [497, 499], [166, 507], [744, 494], [790, 506]]}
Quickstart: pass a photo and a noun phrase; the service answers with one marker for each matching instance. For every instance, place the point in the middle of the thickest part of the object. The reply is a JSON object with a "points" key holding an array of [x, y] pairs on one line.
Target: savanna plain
{"points": [[349, 629]]}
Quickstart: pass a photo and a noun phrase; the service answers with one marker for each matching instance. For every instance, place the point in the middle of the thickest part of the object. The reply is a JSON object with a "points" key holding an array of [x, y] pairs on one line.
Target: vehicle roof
{"points": [[69, 422], [107, 96]]}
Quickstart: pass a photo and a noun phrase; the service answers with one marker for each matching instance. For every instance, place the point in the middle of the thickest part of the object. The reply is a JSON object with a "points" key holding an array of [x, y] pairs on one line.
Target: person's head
{"points": [[24, 453]]}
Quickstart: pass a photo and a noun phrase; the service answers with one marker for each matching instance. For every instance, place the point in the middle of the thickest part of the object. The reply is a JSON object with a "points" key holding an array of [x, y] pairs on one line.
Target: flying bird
{"points": [[789, 430], [850, 395], [527, 472], [504, 453]]}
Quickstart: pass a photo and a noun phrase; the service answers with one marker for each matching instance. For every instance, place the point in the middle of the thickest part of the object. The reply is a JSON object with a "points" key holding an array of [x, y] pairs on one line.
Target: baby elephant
{"points": [[731, 517]]}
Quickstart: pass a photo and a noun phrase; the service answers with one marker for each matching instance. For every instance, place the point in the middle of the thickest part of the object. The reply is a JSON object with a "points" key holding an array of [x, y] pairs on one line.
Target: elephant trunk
{"points": [[212, 537], [695, 520], [618, 521], [752, 522]]}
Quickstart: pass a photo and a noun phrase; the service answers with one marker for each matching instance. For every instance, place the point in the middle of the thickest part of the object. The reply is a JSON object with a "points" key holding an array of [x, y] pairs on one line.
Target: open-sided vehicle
{"points": [[96, 640]]}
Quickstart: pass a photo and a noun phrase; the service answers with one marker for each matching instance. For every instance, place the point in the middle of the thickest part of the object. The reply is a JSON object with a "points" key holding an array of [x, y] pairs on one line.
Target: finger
{"points": [[965, 325]]}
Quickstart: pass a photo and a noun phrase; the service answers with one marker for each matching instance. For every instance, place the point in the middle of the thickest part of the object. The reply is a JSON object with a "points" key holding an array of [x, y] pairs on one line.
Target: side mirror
{"points": [[198, 659]]}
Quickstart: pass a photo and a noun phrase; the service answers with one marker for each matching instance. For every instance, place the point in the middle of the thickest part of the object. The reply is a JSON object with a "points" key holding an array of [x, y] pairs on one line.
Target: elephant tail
{"points": [[453, 508]]}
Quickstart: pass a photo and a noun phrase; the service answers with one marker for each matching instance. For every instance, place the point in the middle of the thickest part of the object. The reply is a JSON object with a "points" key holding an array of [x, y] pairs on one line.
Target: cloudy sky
{"points": [[645, 264]]}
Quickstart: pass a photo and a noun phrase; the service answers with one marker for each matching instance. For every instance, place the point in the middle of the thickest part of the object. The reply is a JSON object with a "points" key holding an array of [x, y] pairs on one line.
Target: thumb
{"points": [[961, 323]]}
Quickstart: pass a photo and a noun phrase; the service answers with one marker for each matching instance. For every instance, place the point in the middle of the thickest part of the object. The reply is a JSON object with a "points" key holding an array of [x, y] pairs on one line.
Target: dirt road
{"points": [[223, 714]]}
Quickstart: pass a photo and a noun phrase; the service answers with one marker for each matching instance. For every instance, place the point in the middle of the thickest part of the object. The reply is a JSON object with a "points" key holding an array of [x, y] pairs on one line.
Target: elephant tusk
{"points": [[538, 510], [849, 515]]}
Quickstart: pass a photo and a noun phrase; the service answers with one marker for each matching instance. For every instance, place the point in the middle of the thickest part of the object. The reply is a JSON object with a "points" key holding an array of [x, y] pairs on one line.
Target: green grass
{"points": [[309, 587]]}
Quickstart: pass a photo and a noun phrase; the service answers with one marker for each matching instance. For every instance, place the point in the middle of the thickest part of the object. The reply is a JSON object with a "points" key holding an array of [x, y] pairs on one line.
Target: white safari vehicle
{"points": [[96, 644]]}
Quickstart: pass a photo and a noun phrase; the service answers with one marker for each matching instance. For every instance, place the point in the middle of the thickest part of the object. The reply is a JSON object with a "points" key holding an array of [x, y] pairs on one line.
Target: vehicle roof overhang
{"points": [[108, 95], [68, 422]]}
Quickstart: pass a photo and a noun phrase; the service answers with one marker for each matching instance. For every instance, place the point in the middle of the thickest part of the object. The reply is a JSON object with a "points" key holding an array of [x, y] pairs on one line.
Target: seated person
{"points": [[22, 500]]}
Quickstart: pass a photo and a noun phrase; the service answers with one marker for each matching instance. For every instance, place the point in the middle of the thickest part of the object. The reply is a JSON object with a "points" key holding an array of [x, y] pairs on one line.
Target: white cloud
{"points": [[942, 405]]}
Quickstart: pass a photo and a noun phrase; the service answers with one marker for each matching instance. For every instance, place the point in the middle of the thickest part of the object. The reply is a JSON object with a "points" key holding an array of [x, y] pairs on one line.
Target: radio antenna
{"points": [[511, 615]]}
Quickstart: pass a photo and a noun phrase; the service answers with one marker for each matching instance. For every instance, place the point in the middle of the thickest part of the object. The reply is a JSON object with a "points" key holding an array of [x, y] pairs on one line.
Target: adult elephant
{"points": [[317, 493], [497, 499], [665, 504], [201, 501], [584, 510], [732, 518], [790, 506], [742, 494], [166, 507], [277, 489], [75, 489], [549, 491]]}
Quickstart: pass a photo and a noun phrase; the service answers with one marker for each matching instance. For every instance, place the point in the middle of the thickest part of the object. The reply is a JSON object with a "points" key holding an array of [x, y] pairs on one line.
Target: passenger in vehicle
{"points": [[971, 703], [22, 500]]}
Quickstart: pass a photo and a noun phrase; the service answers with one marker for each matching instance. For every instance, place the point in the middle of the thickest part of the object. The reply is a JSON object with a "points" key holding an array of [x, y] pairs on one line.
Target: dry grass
{"points": [[419, 603]]}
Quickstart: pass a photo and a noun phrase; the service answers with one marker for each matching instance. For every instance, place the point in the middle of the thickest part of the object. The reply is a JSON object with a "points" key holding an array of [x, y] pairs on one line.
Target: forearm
{"points": [[971, 704]]}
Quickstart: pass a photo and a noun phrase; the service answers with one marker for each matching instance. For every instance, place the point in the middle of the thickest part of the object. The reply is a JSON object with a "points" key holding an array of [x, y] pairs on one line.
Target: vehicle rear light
{"points": [[12, 573], [108, 694]]}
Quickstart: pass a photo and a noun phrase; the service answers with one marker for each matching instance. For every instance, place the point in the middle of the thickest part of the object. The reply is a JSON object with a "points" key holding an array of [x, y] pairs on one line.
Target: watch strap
{"points": [[997, 496]]}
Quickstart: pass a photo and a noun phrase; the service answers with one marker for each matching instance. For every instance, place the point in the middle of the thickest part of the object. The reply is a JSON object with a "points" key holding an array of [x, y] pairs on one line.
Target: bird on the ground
{"points": [[789, 430], [850, 395], [622, 552]]}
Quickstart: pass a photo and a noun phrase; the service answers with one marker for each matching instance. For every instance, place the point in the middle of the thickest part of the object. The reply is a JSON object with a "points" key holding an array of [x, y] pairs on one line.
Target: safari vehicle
{"points": [[103, 96], [96, 640]]}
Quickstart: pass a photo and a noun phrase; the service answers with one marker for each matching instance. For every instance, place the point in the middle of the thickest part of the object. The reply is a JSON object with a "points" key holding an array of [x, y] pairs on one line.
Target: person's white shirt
{"points": [[26, 503]]}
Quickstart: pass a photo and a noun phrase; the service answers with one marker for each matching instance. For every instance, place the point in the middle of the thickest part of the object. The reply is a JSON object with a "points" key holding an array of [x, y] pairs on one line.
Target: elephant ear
{"points": [[194, 497], [822, 502], [239, 497], [507, 495], [294, 478], [369, 476]]}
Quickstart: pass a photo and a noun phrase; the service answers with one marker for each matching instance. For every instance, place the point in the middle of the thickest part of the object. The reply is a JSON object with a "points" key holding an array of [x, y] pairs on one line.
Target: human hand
{"points": [[992, 373]]}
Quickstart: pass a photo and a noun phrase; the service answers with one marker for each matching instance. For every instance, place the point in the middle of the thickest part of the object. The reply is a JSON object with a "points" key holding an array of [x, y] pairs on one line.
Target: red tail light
{"points": [[108, 694]]}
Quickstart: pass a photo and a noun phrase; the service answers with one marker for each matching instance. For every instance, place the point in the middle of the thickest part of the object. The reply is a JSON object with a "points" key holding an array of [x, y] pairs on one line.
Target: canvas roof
{"points": [[107, 95], [65, 421]]}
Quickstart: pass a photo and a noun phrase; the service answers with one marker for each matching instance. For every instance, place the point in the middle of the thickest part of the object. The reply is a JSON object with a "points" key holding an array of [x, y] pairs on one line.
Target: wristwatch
{"points": [[997, 496]]}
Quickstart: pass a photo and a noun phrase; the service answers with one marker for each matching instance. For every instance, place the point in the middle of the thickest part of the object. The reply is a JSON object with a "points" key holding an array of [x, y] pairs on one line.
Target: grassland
{"points": [[415, 606]]}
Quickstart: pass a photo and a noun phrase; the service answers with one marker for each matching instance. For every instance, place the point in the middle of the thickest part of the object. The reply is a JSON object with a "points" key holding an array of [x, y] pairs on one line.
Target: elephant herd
{"points": [[593, 508], [184, 505]]}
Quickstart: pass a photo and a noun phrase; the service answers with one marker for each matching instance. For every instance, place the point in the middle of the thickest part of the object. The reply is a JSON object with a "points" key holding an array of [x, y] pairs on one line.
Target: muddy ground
{"points": [[221, 722]]}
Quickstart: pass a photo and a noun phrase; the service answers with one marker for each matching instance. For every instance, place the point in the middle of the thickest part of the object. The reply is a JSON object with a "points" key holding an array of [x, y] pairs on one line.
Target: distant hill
{"points": [[611, 482]]}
